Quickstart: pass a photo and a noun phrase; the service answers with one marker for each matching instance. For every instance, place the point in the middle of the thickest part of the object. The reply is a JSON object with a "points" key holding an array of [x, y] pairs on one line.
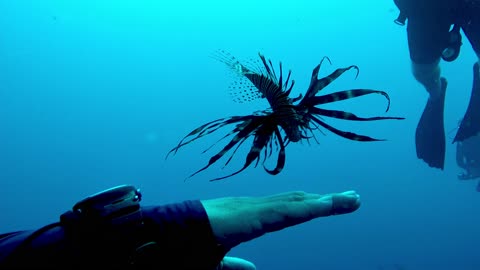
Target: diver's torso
{"points": [[427, 8]]}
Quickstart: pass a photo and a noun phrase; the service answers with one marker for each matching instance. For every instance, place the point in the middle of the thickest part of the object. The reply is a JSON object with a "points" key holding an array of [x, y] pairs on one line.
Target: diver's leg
{"points": [[470, 125], [429, 76], [426, 40], [471, 121], [430, 132], [471, 27]]}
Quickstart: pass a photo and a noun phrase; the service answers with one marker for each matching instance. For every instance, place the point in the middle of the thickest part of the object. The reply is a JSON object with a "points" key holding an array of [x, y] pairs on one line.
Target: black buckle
{"points": [[452, 51], [113, 206]]}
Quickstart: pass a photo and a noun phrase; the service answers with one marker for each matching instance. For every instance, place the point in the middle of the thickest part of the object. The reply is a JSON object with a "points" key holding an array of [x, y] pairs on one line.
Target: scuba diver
{"points": [[111, 230], [433, 32], [468, 158]]}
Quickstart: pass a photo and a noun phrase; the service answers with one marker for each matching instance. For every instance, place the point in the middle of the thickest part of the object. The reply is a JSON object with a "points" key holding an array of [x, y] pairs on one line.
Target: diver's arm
{"points": [[190, 235], [46, 250], [175, 234]]}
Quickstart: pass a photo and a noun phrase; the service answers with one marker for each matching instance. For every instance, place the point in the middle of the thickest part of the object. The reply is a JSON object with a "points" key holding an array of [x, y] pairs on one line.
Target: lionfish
{"points": [[287, 120]]}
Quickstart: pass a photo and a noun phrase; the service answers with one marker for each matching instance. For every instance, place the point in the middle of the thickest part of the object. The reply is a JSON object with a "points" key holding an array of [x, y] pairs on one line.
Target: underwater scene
{"points": [[191, 100]]}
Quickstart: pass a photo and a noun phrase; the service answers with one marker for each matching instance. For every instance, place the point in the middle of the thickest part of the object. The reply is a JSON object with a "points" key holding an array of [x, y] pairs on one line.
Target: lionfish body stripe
{"points": [[287, 120]]}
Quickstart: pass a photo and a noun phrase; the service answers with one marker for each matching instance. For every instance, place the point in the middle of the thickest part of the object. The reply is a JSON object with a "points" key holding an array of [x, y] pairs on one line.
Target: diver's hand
{"points": [[240, 219]]}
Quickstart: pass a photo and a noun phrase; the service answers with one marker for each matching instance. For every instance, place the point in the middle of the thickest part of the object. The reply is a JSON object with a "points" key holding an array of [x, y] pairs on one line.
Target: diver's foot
{"points": [[430, 132], [470, 125]]}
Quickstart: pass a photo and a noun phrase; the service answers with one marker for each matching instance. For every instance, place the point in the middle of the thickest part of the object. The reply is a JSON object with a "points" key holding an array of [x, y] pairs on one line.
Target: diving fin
{"points": [[430, 133], [470, 125]]}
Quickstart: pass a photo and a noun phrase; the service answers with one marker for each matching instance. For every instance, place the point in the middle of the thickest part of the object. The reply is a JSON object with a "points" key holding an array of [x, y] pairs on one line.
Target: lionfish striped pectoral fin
{"points": [[318, 84], [343, 95], [242, 131], [281, 155], [349, 116], [263, 137], [345, 134], [205, 129]]}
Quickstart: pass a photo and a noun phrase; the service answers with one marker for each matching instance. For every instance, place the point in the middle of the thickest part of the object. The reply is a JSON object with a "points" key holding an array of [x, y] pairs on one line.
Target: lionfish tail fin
{"points": [[244, 87], [229, 60]]}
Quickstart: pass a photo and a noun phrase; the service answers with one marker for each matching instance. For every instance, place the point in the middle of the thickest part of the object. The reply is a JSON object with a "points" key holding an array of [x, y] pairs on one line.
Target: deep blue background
{"points": [[94, 93]]}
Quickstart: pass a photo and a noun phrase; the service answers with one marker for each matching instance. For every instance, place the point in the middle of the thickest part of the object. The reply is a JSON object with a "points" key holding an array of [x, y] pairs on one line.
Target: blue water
{"points": [[93, 94]]}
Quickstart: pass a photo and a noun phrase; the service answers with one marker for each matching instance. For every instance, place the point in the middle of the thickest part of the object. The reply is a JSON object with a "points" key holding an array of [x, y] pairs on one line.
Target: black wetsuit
{"points": [[429, 22], [182, 232], [430, 39]]}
